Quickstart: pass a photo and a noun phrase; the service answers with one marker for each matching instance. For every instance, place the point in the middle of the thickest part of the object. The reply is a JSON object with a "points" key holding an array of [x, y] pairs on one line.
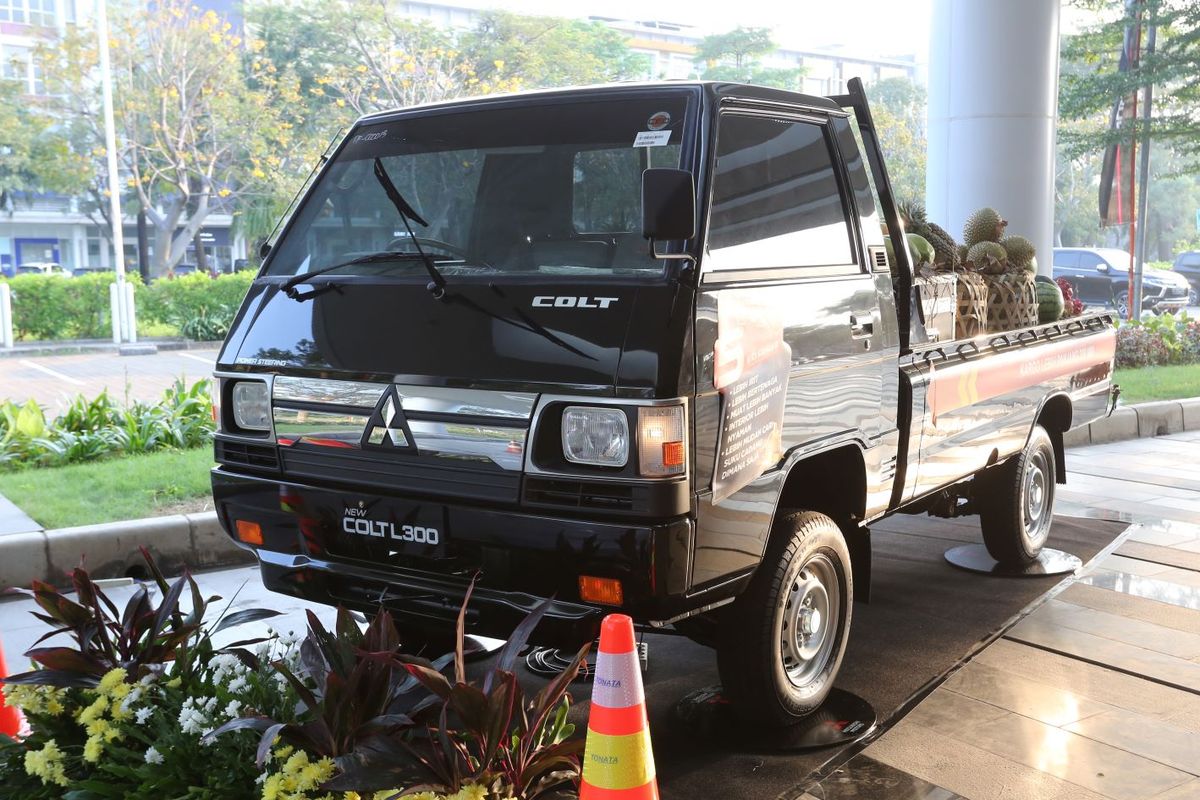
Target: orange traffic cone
{"points": [[10, 718], [618, 763]]}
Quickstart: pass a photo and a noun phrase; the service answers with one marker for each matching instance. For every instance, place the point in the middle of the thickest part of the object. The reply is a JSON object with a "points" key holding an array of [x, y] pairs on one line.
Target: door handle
{"points": [[861, 330]]}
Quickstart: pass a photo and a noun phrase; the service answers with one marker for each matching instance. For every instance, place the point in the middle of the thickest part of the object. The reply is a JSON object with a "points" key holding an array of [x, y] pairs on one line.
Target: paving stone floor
{"points": [[1096, 693]]}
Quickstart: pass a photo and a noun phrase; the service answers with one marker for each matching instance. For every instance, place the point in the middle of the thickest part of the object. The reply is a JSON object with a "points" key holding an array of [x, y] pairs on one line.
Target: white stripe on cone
{"points": [[617, 682]]}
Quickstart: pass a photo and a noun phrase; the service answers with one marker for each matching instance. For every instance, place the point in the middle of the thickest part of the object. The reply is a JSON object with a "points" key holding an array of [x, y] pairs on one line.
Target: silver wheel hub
{"points": [[808, 630], [1038, 501]]}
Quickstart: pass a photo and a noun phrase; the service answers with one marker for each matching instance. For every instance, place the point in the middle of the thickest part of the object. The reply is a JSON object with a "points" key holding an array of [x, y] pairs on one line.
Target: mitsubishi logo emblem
{"points": [[387, 428]]}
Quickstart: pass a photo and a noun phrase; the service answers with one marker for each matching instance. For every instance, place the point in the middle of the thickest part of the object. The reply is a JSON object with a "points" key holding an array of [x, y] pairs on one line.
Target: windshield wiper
{"points": [[437, 283], [289, 286]]}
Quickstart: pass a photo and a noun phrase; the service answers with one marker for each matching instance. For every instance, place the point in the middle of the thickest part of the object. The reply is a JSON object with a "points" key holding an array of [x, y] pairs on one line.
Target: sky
{"points": [[894, 28]]}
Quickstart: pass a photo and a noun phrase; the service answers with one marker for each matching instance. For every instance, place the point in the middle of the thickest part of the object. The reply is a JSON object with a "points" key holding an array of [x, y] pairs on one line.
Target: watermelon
{"points": [[921, 249], [1050, 302]]}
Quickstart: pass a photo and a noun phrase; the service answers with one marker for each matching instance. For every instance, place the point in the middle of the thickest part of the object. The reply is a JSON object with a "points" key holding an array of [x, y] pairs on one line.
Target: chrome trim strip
{"points": [[320, 390], [434, 399], [299, 425], [475, 402], [504, 447]]}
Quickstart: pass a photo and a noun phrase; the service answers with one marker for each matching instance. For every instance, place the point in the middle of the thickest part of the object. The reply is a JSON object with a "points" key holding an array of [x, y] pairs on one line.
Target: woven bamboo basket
{"points": [[972, 291], [939, 301], [1012, 301]]}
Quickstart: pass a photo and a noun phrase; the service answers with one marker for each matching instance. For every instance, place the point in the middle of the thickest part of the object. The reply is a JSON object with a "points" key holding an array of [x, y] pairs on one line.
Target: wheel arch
{"points": [[833, 482], [1055, 415]]}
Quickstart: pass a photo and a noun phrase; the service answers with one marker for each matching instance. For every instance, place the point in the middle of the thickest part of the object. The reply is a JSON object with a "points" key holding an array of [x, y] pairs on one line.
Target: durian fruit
{"points": [[985, 225], [912, 213], [988, 258], [961, 251], [1020, 252]]}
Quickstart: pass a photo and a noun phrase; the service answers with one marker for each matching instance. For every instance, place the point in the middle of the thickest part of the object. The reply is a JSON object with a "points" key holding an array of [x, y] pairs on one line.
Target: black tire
{"points": [[1016, 502], [771, 676]]}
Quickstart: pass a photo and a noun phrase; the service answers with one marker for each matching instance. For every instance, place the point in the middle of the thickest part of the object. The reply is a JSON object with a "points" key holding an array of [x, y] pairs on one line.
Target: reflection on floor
{"points": [[1095, 694]]}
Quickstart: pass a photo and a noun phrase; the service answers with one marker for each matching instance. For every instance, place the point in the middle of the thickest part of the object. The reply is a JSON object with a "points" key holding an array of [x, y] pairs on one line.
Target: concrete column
{"points": [[993, 105]]}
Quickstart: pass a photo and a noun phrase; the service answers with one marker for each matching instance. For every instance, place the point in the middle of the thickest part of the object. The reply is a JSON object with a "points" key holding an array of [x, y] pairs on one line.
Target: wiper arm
{"points": [[289, 286], [437, 283]]}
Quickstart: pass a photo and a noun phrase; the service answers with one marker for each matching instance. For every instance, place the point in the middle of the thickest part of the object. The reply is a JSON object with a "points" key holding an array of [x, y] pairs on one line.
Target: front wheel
{"points": [[1016, 502], [781, 643]]}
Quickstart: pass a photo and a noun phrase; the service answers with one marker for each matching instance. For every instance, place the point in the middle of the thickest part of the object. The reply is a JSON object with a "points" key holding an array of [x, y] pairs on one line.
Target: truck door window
{"points": [[1069, 258], [777, 201]]}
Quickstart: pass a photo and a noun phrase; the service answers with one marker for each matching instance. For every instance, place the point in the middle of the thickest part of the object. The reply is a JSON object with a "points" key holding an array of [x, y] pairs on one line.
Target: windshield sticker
{"points": [[652, 139], [658, 121], [368, 137]]}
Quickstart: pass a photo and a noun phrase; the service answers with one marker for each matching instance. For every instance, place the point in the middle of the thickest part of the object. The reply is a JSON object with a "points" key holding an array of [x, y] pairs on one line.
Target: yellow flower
{"points": [[47, 764], [92, 749], [94, 711], [472, 791], [174, 683], [112, 679]]}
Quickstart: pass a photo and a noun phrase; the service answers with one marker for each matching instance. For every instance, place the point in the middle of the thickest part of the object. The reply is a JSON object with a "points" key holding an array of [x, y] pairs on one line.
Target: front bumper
{"points": [[1164, 301], [516, 558]]}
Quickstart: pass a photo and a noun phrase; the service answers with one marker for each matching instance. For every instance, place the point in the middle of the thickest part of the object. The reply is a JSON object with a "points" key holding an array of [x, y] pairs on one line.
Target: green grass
{"points": [[129, 487], [1159, 383]]}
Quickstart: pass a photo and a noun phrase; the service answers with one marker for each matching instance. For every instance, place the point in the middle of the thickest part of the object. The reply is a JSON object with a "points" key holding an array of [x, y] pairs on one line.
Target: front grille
{"points": [[384, 470], [579, 494], [253, 456]]}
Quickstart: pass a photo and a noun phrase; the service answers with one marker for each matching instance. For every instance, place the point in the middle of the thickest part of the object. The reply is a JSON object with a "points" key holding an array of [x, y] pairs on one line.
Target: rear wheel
{"points": [[781, 643], [1016, 502]]}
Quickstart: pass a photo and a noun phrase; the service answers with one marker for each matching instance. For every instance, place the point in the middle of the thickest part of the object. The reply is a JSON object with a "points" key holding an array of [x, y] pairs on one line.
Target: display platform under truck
{"points": [[634, 348]]}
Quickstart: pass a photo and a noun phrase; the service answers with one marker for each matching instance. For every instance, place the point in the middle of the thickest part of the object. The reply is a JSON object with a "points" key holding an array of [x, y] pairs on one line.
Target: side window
{"points": [[1090, 261], [607, 189], [1069, 258], [776, 200]]}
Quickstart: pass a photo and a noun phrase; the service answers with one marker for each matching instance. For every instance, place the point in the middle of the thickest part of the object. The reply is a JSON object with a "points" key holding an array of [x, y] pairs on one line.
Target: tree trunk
{"points": [[143, 246], [201, 256]]}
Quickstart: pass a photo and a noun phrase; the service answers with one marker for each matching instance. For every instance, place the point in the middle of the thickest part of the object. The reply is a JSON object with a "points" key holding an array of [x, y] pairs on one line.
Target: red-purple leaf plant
{"points": [[138, 638], [393, 721]]}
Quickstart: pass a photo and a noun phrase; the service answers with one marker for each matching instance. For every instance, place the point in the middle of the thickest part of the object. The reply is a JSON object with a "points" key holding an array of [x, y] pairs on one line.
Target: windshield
{"points": [[545, 189]]}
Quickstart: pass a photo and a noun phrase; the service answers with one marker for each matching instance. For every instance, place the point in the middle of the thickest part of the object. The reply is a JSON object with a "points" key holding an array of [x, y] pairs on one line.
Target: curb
{"points": [[110, 550], [1140, 421], [80, 346]]}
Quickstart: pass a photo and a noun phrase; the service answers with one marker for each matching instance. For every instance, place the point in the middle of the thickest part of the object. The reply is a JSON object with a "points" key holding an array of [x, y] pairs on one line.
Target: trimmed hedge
{"points": [[198, 306], [58, 307]]}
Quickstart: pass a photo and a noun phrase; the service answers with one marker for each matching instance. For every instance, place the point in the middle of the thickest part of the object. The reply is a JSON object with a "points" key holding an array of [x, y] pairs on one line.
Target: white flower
{"points": [[233, 709], [238, 684], [262, 778], [134, 695], [153, 756], [191, 716], [144, 714]]}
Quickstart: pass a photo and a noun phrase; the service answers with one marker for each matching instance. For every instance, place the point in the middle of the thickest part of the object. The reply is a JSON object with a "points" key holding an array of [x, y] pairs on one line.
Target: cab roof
{"points": [[716, 90]]}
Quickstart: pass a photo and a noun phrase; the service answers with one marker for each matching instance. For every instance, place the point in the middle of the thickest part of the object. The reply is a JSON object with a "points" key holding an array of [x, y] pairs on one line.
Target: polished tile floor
{"points": [[1096, 692]]}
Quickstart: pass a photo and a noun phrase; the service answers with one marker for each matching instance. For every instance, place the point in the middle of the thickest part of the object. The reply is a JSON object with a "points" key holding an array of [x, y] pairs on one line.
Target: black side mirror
{"points": [[263, 250], [668, 204]]}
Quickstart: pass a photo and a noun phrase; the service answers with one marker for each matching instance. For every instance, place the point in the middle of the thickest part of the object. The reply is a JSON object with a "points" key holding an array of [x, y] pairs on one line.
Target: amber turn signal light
{"points": [[672, 454], [249, 532], [605, 591]]}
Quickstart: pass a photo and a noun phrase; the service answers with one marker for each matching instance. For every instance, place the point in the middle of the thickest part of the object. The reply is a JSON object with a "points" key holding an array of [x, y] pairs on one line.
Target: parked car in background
{"points": [[42, 268], [1100, 277], [179, 270], [81, 271], [1188, 265]]}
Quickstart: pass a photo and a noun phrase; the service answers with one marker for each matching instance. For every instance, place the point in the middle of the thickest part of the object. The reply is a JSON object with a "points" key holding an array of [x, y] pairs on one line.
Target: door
{"points": [[37, 251], [1096, 279], [789, 336]]}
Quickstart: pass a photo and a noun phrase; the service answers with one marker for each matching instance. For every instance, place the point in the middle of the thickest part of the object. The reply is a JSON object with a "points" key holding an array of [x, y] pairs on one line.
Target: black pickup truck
{"points": [[633, 348]]}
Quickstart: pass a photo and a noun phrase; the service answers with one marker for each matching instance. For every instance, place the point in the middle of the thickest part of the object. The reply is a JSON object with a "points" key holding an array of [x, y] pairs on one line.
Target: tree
{"points": [[737, 56], [35, 153], [1088, 91], [192, 132], [899, 109], [531, 52]]}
